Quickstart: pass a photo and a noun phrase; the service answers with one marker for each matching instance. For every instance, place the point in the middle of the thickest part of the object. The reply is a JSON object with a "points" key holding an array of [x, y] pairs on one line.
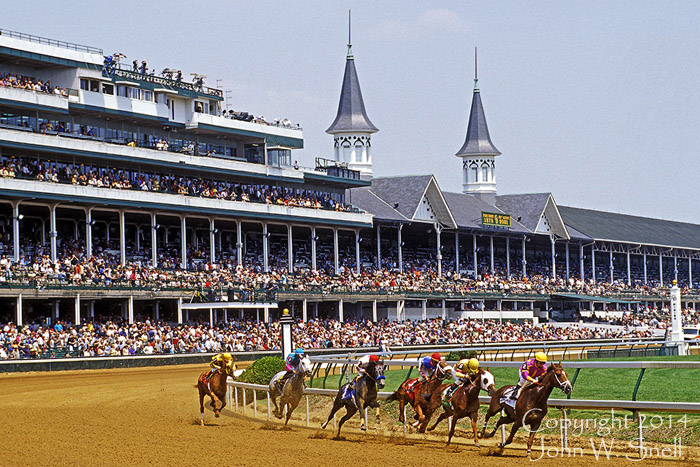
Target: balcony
{"points": [[34, 100], [275, 135]]}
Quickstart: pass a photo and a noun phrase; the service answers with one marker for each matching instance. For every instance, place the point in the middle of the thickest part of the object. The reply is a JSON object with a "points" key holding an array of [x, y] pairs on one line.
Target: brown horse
{"points": [[465, 403], [531, 406], [420, 403], [215, 388]]}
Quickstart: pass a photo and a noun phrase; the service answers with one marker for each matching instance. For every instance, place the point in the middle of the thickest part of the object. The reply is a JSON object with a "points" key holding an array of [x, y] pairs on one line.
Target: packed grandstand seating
{"points": [[13, 80], [150, 337], [124, 179]]}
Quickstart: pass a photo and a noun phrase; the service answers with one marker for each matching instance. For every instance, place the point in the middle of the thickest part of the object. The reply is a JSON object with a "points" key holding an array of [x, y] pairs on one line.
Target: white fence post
{"points": [[640, 422], [244, 403], [404, 420], [503, 434], [236, 398], [308, 421], [255, 404], [268, 405]]}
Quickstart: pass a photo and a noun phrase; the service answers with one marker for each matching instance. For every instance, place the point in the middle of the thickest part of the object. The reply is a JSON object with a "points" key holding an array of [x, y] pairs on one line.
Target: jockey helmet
{"points": [[374, 358], [299, 351], [436, 357], [227, 356], [541, 357], [473, 364]]}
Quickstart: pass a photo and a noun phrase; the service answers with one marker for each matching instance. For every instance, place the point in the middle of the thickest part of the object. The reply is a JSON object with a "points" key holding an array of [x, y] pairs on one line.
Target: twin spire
{"points": [[351, 116]]}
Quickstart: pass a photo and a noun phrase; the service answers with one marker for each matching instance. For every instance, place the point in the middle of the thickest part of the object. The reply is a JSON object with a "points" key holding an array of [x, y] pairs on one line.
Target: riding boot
{"points": [[514, 394]]}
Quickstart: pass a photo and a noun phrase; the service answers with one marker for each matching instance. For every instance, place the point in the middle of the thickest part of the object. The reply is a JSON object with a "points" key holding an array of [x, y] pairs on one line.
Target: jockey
{"points": [[529, 372], [221, 360], [463, 372], [363, 363], [428, 365], [292, 363]]}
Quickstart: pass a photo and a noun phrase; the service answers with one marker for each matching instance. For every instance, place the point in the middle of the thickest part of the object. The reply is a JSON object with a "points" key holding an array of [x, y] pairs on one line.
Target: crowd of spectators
{"points": [[113, 338], [85, 175], [13, 80]]}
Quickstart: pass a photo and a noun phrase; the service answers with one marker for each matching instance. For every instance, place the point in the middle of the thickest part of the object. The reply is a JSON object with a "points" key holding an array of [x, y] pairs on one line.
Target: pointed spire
{"points": [[478, 141], [351, 108]]}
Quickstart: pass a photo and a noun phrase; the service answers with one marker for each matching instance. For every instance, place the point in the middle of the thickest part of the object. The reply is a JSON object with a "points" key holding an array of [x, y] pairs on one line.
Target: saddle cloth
{"points": [[205, 378], [505, 397], [411, 388]]}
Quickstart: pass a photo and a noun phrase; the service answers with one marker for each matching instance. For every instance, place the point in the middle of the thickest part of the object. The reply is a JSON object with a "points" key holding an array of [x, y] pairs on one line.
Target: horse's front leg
{"points": [[201, 407], [213, 402], [513, 430], [363, 419], [442, 416], [277, 411], [402, 407], [337, 404], [474, 429], [533, 430], [419, 414]]}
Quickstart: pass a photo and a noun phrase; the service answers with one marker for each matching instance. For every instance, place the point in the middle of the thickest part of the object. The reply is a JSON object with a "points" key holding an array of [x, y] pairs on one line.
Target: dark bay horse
{"points": [[419, 398], [465, 403], [215, 388], [531, 406], [365, 395], [291, 392]]}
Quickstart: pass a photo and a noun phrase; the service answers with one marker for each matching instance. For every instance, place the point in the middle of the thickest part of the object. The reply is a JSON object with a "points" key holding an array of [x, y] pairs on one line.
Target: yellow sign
{"points": [[495, 220]]}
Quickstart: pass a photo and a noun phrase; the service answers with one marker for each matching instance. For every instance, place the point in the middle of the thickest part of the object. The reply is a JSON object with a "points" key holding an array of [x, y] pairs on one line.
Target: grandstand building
{"points": [[117, 162]]}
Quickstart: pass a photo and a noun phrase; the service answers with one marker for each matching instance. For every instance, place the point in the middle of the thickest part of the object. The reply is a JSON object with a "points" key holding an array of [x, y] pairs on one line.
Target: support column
{"points": [[18, 310], [154, 241], [379, 247], [15, 230], [661, 271], [424, 304], [266, 249], [122, 238], [53, 234], [88, 232], [524, 259], [212, 241], [508, 257], [130, 305], [690, 272], [179, 311], [612, 268], [491, 255], [554, 257], [266, 316], [595, 275], [400, 247], [438, 232], [629, 272], [239, 242], [336, 260], [675, 267], [138, 238], [304, 311], [444, 310], [568, 276], [313, 248], [357, 252], [374, 311], [211, 317], [91, 310], [644, 256], [77, 310], [457, 252], [183, 242], [290, 251], [340, 310], [157, 310], [582, 272], [474, 254]]}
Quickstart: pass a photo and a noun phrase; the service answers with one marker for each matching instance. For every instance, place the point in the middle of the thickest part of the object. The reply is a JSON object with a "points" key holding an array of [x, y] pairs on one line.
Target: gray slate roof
{"points": [[351, 109], [366, 200], [406, 191], [602, 225], [527, 207], [467, 209], [478, 141]]}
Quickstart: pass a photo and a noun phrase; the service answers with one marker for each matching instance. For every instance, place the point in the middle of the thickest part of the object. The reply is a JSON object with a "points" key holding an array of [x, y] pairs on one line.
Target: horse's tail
{"points": [[393, 397]]}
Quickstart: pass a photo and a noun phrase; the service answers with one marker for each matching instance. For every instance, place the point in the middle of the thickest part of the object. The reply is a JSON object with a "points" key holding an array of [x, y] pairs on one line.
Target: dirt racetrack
{"points": [[149, 416]]}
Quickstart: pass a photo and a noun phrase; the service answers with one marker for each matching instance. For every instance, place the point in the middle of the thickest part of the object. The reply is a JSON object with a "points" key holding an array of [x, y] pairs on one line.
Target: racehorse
{"points": [[290, 394], [365, 395], [465, 402], [531, 406], [215, 387], [419, 398]]}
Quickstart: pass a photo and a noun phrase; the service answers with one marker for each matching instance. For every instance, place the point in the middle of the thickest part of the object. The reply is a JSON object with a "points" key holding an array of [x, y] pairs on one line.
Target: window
{"points": [[108, 89], [84, 84], [201, 107], [484, 173], [147, 95], [122, 91], [475, 171], [94, 86], [133, 93]]}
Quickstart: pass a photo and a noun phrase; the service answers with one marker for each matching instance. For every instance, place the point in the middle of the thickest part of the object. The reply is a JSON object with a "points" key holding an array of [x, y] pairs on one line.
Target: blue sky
{"points": [[596, 102]]}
